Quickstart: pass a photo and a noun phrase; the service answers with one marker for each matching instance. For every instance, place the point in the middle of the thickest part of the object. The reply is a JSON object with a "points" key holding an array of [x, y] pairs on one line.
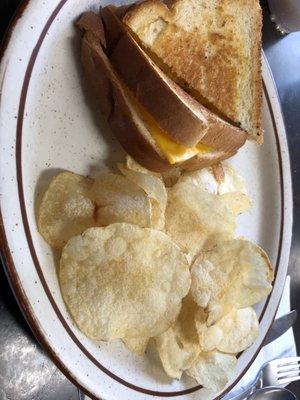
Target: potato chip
{"points": [[136, 345], [120, 200], [213, 370], [233, 182], [232, 188], [205, 179], [123, 281], [193, 215], [234, 274], [157, 216], [233, 333], [65, 210], [155, 189], [152, 185], [178, 347], [214, 239], [237, 202]]}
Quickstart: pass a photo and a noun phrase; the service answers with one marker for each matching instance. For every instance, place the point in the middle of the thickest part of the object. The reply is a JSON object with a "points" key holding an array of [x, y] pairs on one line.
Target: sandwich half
{"points": [[212, 48]]}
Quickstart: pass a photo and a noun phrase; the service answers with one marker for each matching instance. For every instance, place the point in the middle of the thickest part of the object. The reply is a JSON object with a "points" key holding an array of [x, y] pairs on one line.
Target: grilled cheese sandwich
{"points": [[155, 120]]}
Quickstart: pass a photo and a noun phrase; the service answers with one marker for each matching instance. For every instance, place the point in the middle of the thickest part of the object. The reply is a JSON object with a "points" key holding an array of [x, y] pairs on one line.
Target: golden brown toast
{"points": [[212, 48]]}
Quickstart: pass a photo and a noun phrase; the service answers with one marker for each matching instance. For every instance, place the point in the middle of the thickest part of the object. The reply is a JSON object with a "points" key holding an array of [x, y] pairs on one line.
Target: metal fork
{"points": [[278, 372]]}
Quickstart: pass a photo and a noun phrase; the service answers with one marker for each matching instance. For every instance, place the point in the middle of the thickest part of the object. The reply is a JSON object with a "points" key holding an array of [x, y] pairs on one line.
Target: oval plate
{"points": [[47, 123]]}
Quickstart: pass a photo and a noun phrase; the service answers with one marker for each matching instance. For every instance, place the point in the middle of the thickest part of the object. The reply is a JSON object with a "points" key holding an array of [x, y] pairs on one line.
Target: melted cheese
{"points": [[173, 151], [176, 152]]}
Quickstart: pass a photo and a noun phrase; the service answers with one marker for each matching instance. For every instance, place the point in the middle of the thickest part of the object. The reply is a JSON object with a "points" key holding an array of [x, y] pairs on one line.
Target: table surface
{"points": [[26, 373]]}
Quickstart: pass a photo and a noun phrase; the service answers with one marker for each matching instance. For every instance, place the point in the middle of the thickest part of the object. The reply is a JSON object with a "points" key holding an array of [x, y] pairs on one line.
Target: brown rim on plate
{"points": [[11, 270]]}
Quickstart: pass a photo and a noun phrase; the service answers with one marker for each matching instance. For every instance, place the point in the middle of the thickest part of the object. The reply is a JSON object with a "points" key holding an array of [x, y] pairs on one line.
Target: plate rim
{"points": [[11, 270]]}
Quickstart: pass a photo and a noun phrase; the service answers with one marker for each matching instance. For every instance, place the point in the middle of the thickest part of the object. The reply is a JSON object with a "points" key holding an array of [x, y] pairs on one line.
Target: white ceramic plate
{"points": [[47, 125]]}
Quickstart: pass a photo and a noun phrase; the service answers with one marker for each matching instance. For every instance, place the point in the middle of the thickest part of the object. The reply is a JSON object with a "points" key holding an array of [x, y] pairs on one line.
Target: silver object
{"points": [[280, 326], [281, 371], [272, 393], [285, 14]]}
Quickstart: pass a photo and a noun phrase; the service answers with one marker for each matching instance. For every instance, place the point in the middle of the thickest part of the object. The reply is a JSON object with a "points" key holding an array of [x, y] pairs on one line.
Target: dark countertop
{"points": [[26, 373]]}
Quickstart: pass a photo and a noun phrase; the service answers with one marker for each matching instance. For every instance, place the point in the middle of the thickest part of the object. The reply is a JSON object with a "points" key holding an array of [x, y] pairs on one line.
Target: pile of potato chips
{"points": [[152, 259]]}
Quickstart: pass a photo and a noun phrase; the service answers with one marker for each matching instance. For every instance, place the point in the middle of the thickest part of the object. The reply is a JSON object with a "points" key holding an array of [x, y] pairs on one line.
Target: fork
{"points": [[278, 372]]}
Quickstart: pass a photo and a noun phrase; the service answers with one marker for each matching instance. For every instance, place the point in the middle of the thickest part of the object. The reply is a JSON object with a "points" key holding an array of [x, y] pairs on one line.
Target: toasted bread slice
{"points": [[120, 110], [184, 119], [212, 48]]}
